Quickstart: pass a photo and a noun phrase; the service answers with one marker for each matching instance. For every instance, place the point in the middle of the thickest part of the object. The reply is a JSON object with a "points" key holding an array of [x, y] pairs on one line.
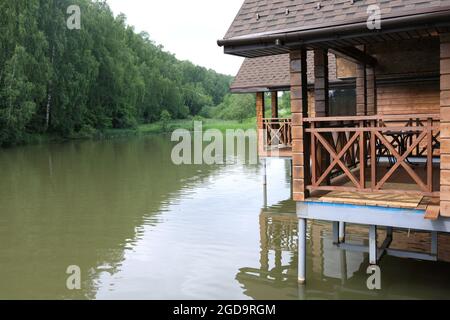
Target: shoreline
{"points": [[140, 130]]}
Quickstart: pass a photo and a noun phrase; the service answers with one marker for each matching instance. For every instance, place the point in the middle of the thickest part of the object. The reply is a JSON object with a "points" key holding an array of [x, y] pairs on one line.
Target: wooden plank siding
{"points": [[361, 90], [445, 123], [371, 90], [408, 98]]}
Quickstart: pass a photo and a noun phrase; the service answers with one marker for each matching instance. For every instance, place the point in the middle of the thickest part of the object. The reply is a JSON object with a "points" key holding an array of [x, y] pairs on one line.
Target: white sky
{"points": [[187, 28]]}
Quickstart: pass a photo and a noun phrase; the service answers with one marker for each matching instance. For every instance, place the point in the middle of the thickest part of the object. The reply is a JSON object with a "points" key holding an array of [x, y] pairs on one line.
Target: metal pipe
{"points": [[373, 254], [301, 251], [265, 172]]}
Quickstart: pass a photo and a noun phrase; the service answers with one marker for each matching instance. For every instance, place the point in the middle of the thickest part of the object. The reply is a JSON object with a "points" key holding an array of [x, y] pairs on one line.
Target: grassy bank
{"points": [[145, 129], [188, 124]]}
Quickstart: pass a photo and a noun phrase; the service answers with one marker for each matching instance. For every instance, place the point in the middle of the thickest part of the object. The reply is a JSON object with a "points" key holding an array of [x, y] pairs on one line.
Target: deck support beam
{"points": [[434, 243], [341, 231], [302, 251], [335, 232], [445, 124]]}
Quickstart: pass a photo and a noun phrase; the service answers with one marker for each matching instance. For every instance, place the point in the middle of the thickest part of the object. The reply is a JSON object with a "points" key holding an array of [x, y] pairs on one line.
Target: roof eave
{"points": [[326, 33]]}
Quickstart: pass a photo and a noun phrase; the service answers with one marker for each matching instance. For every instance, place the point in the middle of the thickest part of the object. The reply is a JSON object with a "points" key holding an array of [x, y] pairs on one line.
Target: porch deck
{"points": [[276, 152], [398, 181]]}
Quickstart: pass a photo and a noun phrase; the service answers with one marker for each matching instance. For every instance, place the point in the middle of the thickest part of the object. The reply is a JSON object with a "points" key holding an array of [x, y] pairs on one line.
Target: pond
{"points": [[140, 227]]}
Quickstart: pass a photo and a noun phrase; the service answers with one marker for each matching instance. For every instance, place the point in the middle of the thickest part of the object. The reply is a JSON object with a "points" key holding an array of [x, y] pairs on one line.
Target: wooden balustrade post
{"points": [[430, 154], [362, 158], [373, 159], [313, 157]]}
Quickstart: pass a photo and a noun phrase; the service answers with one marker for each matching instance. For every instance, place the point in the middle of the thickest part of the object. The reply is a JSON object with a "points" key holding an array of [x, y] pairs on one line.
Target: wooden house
{"points": [[390, 145]]}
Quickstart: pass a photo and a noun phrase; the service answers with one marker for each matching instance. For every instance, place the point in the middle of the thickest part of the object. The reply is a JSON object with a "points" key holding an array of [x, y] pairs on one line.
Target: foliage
{"points": [[234, 107], [71, 83], [165, 118]]}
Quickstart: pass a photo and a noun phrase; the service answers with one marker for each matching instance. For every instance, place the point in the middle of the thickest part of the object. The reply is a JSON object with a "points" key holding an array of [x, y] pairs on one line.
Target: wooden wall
{"points": [[407, 76], [408, 98], [445, 124]]}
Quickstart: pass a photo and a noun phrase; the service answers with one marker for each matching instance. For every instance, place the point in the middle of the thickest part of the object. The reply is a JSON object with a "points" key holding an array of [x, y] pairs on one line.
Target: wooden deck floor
{"points": [[283, 152], [399, 181]]}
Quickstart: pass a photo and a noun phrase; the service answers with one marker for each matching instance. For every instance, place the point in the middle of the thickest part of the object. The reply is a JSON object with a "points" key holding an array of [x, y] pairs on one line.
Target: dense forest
{"points": [[73, 82]]}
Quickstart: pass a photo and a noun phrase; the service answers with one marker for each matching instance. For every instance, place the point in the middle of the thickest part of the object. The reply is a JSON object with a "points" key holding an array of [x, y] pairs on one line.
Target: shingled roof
{"points": [[259, 17], [272, 73]]}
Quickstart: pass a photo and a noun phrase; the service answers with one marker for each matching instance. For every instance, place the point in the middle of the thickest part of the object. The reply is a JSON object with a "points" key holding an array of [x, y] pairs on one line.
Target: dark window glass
{"points": [[342, 102]]}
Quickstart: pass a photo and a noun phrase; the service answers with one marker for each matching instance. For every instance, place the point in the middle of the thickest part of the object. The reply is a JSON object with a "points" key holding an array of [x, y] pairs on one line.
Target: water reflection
{"points": [[81, 203], [334, 273], [141, 227], [275, 278]]}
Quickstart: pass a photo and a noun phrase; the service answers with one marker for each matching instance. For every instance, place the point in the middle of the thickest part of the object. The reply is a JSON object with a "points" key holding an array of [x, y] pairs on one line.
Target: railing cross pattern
{"points": [[401, 160], [337, 159]]}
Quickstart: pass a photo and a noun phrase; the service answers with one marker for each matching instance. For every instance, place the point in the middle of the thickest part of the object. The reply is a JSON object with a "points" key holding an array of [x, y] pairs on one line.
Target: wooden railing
{"points": [[277, 132], [344, 146]]}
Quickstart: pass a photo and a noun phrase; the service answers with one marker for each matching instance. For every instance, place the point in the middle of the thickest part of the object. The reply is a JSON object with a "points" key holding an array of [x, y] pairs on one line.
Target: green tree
{"points": [[165, 118]]}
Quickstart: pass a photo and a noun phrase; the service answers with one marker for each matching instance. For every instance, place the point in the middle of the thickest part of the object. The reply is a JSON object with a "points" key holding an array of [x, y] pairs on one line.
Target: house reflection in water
{"points": [[334, 273]]}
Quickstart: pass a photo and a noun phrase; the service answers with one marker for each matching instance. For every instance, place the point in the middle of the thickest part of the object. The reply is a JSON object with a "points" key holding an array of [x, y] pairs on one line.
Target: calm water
{"points": [[141, 227]]}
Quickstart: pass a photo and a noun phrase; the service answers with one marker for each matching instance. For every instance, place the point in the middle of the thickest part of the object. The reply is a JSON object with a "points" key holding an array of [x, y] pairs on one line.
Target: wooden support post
{"points": [[371, 91], [373, 249], [373, 161], [259, 109], [362, 160], [259, 120], [321, 84], [429, 155], [321, 102], [445, 124], [302, 251], [299, 108], [389, 232], [274, 96], [361, 90]]}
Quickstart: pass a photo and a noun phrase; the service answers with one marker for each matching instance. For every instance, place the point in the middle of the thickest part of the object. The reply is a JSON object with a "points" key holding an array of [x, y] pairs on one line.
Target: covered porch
{"points": [[381, 160], [383, 148]]}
